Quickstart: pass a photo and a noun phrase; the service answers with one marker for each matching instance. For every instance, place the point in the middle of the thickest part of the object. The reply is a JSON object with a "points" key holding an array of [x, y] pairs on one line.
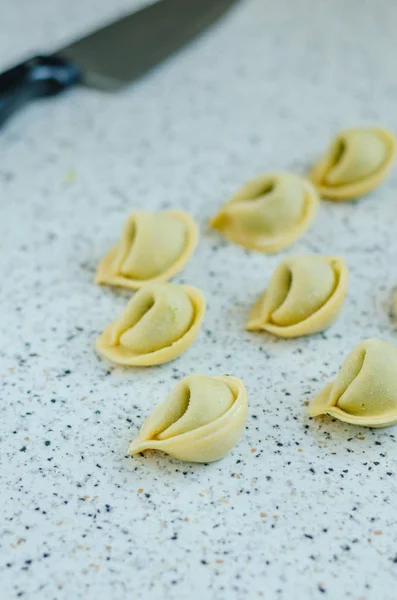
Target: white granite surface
{"points": [[301, 509]]}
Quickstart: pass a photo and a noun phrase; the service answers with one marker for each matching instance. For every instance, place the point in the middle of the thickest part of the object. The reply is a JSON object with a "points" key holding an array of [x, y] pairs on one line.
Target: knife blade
{"points": [[112, 56]]}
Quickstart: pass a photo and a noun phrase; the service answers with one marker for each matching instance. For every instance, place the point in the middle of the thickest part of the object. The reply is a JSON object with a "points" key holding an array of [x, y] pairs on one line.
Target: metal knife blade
{"points": [[128, 48], [111, 56]]}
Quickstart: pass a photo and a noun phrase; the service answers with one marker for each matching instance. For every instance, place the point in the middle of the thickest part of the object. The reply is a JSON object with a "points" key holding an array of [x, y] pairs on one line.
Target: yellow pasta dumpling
{"points": [[200, 420], [365, 390], [159, 323], [268, 213], [355, 163], [152, 247], [304, 296]]}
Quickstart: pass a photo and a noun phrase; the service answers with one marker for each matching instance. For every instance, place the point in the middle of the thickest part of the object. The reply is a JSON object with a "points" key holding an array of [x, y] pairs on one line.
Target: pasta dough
{"points": [[304, 296], [355, 163], [365, 390], [159, 323], [268, 213], [152, 247], [200, 420]]}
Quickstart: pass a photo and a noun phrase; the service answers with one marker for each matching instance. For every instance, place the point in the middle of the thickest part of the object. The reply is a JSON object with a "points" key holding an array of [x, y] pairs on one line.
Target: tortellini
{"points": [[159, 323], [200, 420], [268, 213], [304, 296], [365, 390], [152, 247], [355, 163]]}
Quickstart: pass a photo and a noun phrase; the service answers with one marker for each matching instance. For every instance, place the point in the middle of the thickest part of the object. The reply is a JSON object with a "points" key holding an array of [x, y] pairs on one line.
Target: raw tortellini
{"points": [[355, 163], [365, 390], [152, 247], [269, 212], [159, 323], [305, 295], [200, 420]]}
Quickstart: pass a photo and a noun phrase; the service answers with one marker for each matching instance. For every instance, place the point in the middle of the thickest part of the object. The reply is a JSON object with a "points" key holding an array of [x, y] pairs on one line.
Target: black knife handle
{"points": [[37, 77]]}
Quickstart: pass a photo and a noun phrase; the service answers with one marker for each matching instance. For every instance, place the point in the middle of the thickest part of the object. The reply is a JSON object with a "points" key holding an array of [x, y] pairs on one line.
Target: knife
{"points": [[112, 56]]}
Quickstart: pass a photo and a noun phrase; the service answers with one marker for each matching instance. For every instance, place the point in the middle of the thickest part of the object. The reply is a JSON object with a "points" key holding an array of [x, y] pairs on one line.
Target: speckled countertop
{"points": [[300, 509]]}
